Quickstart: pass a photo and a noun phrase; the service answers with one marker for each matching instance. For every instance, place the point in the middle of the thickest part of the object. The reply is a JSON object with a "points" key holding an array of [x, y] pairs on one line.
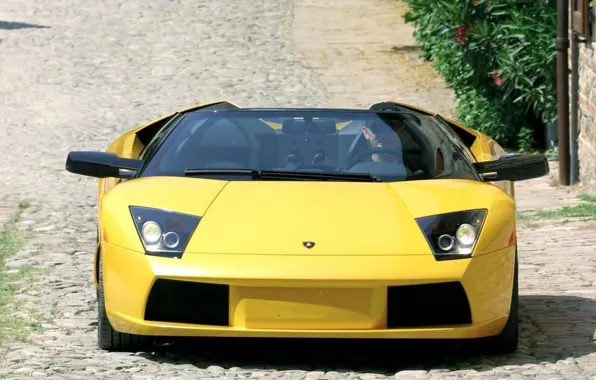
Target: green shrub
{"points": [[499, 58]]}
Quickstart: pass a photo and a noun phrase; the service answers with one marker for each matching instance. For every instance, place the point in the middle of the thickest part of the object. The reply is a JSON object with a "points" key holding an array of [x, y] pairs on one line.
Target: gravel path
{"points": [[74, 75]]}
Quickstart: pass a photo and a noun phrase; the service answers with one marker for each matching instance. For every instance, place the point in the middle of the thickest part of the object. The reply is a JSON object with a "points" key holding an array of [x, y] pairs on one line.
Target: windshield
{"points": [[253, 144]]}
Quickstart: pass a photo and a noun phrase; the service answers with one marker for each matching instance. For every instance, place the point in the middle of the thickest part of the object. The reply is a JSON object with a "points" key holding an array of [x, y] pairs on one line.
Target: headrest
{"points": [[386, 106], [224, 133], [380, 126]]}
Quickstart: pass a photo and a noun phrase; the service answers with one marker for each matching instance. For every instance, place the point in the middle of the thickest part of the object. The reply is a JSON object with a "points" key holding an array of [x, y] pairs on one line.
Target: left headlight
{"points": [[453, 235], [162, 232]]}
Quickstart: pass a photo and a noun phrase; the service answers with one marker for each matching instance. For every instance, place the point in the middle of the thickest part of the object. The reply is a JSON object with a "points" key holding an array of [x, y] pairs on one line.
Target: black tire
{"points": [[507, 341], [109, 339]]}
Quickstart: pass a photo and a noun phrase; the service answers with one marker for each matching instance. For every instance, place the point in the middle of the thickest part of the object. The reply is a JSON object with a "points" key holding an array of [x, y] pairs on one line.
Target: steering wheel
{"points": [[369, 151]]}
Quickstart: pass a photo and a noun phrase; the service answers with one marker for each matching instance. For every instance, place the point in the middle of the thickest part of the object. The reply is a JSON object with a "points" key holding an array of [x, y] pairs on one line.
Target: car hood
{"points": [[278, 217]]}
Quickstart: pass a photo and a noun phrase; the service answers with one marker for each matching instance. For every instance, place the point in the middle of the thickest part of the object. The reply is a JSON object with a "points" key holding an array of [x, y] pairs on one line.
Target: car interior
{"points": [[313, 145]]}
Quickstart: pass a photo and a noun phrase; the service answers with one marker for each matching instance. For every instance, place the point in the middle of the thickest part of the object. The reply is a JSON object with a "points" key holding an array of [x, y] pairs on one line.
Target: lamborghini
{"points": [[386, 222]]}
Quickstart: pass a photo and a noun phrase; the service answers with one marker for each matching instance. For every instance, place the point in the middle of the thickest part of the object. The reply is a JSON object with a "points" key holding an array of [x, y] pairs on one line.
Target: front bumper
{"points": [[310, 297]]}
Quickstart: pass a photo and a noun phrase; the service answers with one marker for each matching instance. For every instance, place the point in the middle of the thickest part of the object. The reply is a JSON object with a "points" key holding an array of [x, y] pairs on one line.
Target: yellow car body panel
{"points": [[336, 289], [311, 211], [312, 296]]}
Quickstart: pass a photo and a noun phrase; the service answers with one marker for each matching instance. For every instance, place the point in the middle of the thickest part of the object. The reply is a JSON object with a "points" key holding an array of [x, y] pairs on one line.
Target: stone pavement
{"points": [[364, 53], [82, 72]]}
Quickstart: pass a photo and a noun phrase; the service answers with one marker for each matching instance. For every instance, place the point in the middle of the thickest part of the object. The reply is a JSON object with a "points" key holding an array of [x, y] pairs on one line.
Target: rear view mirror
{"points": [[516, 167], [101, 164]]}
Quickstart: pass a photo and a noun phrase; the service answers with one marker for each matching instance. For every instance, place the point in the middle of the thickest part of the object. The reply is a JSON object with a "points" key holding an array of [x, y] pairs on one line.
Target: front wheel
{"points": [[107, 338]]}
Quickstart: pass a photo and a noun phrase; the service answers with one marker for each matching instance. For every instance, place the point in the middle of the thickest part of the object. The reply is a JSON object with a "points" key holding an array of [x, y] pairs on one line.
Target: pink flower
{"points": [[497, 78], [460, 37]]}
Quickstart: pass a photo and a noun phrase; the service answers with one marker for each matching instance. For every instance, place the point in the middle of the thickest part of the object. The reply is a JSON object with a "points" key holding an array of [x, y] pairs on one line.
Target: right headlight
{"points": [[453, 235]]}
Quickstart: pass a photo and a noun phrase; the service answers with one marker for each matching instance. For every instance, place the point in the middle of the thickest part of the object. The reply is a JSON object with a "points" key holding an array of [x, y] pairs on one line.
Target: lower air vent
{"points": [[188, 302], [427, 305]]}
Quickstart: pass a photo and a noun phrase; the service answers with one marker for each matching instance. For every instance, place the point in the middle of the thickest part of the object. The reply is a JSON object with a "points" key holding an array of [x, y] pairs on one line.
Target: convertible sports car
{"points": [[388, 222]]}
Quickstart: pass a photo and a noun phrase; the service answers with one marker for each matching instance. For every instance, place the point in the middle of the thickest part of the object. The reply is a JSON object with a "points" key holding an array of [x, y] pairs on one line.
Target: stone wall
{"points": [[587, 114], [587, 107]]}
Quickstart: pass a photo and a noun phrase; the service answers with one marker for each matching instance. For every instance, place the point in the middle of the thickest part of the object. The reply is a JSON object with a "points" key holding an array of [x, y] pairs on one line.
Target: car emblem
{"points": [[308, 244]]}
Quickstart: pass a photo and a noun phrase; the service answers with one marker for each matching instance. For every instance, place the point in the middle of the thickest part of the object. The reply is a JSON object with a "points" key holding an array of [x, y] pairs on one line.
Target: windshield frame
{"points": [[164, 135]]}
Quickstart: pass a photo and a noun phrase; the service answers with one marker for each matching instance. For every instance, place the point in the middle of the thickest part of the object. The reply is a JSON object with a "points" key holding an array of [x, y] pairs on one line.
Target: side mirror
{"points": [[101, 164], [513, 167]]}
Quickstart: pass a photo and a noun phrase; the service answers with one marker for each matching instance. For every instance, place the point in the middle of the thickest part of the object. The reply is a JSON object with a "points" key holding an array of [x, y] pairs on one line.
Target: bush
{"points": [[499, 58]]}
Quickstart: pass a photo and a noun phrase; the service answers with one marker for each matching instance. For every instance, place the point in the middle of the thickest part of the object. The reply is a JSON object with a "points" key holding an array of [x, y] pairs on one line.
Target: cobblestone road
{"points": [[73, 75]]}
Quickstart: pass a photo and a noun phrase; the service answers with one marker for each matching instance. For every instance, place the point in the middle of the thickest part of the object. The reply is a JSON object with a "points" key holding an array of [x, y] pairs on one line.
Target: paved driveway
{"points": [[75, 74]]}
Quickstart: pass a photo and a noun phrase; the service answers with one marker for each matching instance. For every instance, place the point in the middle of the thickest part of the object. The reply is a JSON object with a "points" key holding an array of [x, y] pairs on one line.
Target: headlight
{"points": [[162, 232], [453, 235], [151, 232]]}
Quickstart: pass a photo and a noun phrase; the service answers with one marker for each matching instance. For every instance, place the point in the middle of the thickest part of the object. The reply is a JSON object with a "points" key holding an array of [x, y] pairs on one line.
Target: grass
{"points": [[10, 376], [12, 239], [552, 154], [586, 210]]}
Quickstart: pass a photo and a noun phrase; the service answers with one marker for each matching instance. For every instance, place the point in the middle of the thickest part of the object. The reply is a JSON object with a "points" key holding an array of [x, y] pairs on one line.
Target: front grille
{"points": [[427, 305], [188, 302]]}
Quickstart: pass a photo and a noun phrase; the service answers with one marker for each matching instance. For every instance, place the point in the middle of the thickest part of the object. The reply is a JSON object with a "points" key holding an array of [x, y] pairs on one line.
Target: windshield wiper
{"points": [[286, 174]]}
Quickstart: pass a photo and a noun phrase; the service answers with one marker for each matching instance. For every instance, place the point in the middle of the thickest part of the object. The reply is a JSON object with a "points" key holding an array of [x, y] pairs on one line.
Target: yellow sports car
{"points": [[389, 222]]}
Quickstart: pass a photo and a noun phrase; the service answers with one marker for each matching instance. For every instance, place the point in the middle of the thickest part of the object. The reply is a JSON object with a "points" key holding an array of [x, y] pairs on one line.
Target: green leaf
{"points": [[516, 39]]}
